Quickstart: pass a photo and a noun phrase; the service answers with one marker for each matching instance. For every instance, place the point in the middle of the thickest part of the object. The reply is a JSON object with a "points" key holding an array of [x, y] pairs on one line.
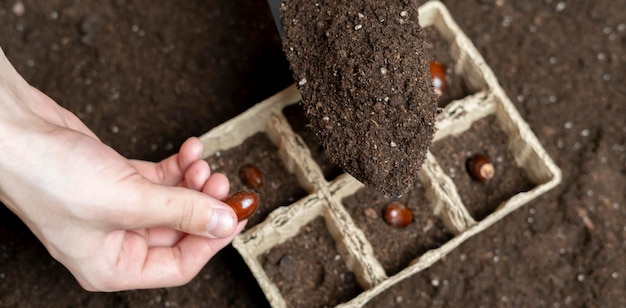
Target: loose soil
{"points": [[395, 247], [300, 125], [146, 76], [485, 137], [280, 187], [308, 270], [363, 73]]}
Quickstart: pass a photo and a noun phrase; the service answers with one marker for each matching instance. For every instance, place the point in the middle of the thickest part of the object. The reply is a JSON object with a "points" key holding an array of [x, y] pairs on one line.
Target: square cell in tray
{"points": [[395, 247], [301, 255], [446, 45], [308, 269], [487, 138], [280, 187], [487, 123]]}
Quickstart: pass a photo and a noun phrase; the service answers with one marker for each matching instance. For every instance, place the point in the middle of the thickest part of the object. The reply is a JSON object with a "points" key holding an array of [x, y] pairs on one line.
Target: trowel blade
{"points": [[275, 8]]}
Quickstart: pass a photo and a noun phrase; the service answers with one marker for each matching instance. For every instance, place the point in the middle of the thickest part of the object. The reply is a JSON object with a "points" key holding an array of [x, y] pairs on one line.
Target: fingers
{"points": [[171, 170], [190, 152], [196, 175], [217, 186], [173, 266], [178, 208], [179, 264], [161, 236]]}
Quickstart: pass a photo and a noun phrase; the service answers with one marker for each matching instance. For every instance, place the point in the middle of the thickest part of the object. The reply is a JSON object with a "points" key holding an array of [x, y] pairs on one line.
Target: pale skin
{"points": [[116, 224]]}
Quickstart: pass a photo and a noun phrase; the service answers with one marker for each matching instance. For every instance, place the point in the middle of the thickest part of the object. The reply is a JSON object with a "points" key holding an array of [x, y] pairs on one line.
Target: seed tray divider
{"points": [[294, 153], [446, 201], [458, 116], [368, 269], [281, 225], [234, 131]]}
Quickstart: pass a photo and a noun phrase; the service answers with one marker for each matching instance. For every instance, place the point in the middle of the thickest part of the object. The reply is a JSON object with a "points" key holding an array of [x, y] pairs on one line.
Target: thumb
{"points": [[185, 210]]}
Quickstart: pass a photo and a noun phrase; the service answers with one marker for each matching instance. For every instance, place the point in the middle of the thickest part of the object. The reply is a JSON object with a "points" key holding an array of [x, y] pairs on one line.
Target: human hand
{"points": [[115, 223]]}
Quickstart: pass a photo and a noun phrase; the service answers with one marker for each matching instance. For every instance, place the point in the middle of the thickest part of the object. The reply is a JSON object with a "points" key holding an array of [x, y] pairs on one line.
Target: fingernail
{"points": [[221, 223]]}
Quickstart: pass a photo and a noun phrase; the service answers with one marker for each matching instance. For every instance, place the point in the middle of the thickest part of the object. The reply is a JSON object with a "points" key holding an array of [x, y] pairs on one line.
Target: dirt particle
{"points": [[370, 213]]}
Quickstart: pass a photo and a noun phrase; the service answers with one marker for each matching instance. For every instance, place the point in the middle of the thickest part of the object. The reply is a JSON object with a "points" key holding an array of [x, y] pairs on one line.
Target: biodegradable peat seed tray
{"points": [[357, 275]]}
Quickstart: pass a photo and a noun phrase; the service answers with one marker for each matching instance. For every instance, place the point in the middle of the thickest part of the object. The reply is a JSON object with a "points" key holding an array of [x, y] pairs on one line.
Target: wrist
{"points": [[13, 90]]}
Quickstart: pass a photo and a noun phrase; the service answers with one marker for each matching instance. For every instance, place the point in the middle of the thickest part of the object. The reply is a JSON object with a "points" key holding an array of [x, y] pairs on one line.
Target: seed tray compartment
{"points": [[325, 197], [395, 247], [279, 187]]}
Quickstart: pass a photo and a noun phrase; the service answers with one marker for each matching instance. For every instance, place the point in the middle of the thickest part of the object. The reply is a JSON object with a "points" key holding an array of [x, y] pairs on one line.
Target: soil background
{"points": [[144, 76]]}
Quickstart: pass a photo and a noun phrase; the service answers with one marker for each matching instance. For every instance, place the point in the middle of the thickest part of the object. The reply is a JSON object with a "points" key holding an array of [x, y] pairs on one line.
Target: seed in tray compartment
{"points": [[244, 203], [251, 176], [398, 214], [438, 74], [480, 168]]}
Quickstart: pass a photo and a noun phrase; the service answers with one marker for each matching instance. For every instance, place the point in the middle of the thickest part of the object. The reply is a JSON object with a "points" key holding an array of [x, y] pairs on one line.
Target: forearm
{"points": [[12, 88], [12, 115], [23, 133]]}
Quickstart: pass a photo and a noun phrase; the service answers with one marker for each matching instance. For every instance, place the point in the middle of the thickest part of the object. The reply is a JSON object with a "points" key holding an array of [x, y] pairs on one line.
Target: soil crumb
{"points": [[363, 74]]}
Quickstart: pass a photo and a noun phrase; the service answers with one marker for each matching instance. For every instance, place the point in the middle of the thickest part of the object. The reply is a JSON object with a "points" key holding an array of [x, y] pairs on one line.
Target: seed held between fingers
{"points": [[244, 203]]}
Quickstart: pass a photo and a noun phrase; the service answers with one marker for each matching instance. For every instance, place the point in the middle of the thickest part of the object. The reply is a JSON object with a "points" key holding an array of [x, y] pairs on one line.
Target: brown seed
{"points": [[244, 203], [480, 168], [251, 176], [438, 74], [398, 215]]}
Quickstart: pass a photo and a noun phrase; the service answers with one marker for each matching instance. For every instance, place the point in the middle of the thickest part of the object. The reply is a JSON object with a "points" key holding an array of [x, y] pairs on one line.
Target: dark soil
{"points": [[365, 82], [308, 269], [188, 66], [300, 125], [280, 187], [485, 137], [395, 247]]}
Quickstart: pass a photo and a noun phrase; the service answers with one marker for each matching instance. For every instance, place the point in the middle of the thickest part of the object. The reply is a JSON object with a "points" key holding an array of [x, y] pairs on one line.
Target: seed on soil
{"points": [[438, 74], [244, 203], [251, 176], [398, 214], [480, 168]]}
